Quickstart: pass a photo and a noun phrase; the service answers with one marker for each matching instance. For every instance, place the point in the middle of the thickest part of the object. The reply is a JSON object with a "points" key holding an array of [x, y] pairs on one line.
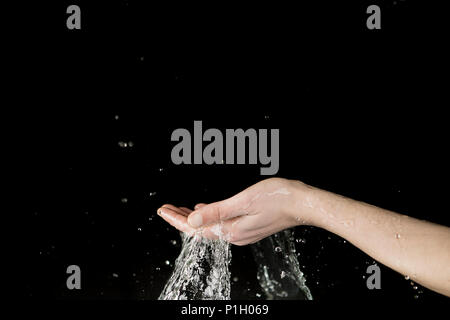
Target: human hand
{"points": [[263, 209]]}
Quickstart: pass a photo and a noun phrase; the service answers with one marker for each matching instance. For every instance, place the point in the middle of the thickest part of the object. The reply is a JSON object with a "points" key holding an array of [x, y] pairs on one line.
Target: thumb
{"points": [[199, 205], [210, 213]]}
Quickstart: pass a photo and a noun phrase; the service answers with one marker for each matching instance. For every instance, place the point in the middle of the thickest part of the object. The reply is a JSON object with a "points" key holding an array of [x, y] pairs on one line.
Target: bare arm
{"points": [[410, 246]]}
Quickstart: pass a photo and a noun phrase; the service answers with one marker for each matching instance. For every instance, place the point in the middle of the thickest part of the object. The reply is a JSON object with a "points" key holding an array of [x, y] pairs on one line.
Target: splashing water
{"points": [[201, 270], [279, 273]]}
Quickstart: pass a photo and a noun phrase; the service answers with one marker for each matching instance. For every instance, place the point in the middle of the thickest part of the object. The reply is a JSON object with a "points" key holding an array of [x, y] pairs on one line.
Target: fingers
{"points": [[186, 211], [212, 213], [176, 217]]}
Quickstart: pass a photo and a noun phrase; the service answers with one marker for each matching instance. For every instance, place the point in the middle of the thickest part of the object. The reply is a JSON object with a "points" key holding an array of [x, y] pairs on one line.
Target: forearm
{"points": [[410, 246]]}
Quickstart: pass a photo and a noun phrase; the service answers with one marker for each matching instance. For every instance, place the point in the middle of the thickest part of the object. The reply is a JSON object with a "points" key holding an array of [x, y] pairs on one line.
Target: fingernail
{"points": [[159, 211], [195, 220]]}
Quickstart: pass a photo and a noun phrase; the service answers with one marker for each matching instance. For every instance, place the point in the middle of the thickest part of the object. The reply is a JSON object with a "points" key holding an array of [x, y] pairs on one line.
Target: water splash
{"points": [[279, 273], [201, 271]]}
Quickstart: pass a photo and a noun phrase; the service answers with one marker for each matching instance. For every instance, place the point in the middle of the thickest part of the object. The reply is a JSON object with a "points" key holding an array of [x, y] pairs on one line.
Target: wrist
{"points": [[302, 209]]}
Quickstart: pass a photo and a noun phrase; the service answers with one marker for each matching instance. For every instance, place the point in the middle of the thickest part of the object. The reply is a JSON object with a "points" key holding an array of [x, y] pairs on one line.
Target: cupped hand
{"points": [[263, 209]]}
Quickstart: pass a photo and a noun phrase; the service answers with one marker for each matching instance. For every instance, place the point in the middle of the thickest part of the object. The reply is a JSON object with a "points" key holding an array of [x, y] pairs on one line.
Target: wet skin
{"points": [[412, 247]]}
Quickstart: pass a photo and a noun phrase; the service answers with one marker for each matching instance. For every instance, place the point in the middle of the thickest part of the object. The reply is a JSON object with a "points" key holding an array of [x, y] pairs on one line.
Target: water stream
{"points": [[201, 270]]}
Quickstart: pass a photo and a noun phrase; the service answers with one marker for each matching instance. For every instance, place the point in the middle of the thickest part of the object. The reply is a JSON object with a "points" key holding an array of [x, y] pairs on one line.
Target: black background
{"points": [[360, 113]]}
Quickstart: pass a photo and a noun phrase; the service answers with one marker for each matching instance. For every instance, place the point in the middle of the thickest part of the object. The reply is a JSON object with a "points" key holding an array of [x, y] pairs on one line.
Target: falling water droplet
{"points": [[277, 249], [174, 242], [139, 229], [235, 279], [151, 194], [300, 220], [167, 262], [283, 274], [125, 144], [116, 117], [124, 200], [406, 277], [122, 144], [258, 295], [348, 223], [115, 275]]}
